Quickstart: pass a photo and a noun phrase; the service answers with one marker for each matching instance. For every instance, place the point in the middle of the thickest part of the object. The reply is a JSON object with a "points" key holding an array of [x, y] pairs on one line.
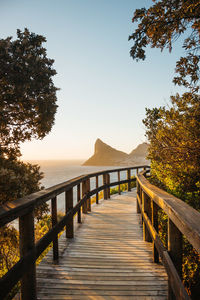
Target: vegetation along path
{"points": [[107, 259]]}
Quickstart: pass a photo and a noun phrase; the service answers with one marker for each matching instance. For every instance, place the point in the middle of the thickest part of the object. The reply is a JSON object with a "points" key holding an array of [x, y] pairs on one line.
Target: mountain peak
{"points": [[99, 141], [105, 155], [140, 150], [98, 144]]}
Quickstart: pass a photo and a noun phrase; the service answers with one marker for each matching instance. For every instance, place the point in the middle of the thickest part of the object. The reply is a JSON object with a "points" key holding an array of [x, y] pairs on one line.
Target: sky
{"points": [[103, 92]]}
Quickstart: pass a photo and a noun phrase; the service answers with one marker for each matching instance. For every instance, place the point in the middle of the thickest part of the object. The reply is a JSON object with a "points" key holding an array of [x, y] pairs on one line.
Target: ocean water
{"points": [[58, 171]]}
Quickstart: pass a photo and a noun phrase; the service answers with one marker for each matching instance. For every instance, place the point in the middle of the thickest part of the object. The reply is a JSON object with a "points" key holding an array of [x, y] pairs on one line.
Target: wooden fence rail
{"points": [[25, 269], [182, 220]]}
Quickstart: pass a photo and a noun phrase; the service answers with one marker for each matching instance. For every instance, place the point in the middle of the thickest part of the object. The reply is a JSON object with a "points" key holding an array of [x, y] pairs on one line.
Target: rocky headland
{"points": [[105, 155]]}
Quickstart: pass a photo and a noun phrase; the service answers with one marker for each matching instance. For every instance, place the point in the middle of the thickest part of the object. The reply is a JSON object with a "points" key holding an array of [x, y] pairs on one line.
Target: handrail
{"points": [[182, 220], [23, 208], [12, 210]]}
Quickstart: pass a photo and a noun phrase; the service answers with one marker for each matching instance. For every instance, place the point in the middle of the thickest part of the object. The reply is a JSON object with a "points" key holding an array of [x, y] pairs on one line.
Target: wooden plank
{"points": [[108, 183], [54, 222], [100, 274], [154, 219], [84, 192], [105, 191], [119, 188], [68, 207], [129, 177], [186, 218], [157, 269], [84, 288], [107, 259], [175, 252], [27, 243], [146, 208], [97, 185], [89, 199], [57, 291], [95, 297], [78, 199]]}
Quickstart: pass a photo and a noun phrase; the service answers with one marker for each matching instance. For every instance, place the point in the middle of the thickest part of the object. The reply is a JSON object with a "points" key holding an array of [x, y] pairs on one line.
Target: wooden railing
{"points": [[25, 269], [182, 220]]}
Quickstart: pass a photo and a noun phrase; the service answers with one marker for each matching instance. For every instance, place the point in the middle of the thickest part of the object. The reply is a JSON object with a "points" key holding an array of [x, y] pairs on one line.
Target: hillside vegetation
{"points": [[173, 131]]}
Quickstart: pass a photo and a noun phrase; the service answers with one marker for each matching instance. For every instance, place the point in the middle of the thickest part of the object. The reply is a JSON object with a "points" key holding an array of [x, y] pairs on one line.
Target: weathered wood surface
{"points": [[107, 259], [184, 217]]}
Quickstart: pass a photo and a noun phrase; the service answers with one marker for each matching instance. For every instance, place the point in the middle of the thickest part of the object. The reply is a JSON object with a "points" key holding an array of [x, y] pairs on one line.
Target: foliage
{"points": [[9, 248], [18, 179], [45, 224], [161, 25], [27, 92], [27, 110], [174, 152], [175, 146], [9, 252], [174, 131], [191, 268]]}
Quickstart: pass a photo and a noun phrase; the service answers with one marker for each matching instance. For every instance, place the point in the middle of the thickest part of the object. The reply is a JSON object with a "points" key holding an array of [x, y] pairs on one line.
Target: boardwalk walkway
{"points": [[107, 259]]}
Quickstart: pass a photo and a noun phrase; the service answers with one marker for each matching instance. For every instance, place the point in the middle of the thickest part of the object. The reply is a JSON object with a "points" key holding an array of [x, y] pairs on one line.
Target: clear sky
{"points": [[103, 91]]}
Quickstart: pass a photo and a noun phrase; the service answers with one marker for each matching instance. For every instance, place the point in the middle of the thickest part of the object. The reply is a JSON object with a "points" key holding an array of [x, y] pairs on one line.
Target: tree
{"points": [[174, 152], [27, 110], [18, 179], [27, 92], [174, 131], [174, 148], [161, 25]]}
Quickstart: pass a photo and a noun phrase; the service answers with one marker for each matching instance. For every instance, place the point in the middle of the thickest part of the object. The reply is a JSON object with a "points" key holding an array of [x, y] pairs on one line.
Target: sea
{"points": [[58, 171]]}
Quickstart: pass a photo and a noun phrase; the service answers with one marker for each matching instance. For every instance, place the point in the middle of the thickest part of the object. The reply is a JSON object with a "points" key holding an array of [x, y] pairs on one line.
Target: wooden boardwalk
{"points": [[107, 259]]}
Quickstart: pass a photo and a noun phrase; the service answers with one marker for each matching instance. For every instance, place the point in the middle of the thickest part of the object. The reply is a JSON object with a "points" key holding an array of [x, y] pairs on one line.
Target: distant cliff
{"points": [[104, 155], [137, 156]]}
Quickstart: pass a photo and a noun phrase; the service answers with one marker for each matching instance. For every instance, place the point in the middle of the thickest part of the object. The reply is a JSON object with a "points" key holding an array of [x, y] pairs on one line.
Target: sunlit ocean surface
{"points": [[58, 171]]}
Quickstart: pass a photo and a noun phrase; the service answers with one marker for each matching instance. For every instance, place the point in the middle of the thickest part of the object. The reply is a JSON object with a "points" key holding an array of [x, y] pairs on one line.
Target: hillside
{"points": [[137, 156], [105, 155]]}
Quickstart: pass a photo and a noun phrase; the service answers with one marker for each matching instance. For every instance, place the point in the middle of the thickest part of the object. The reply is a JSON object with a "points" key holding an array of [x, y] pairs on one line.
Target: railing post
{"points": [[89, 199], [27, 243], [175, 252], [129, 179], [97, 194], [138, 195], [108, 183], [68, 206], [84, 191], [105, 189], [154, 220], [78, 199], [146, 207], [119, 188], [54, 222]]}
